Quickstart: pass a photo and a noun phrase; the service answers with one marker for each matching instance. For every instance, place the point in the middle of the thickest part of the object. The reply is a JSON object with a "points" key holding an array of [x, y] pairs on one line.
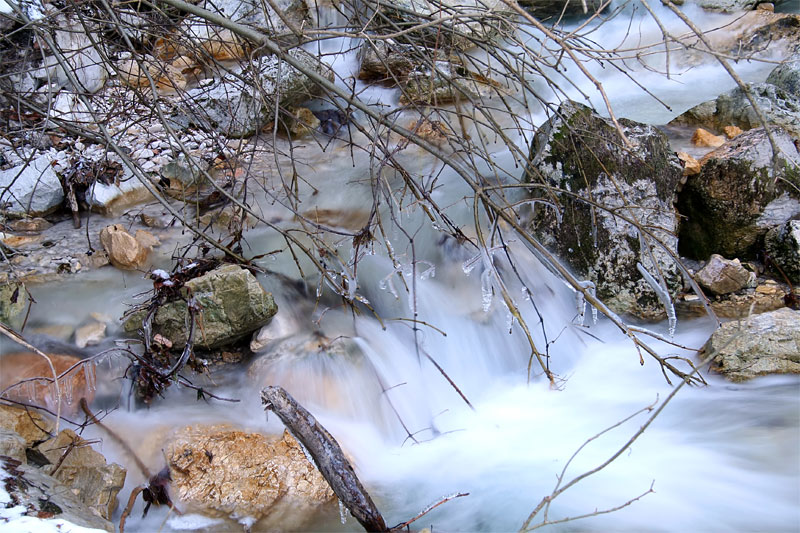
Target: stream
{"points": [[725, 457]]}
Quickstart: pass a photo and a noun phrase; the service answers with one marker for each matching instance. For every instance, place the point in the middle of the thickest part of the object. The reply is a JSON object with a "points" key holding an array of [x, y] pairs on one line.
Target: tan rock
{"points": [[352, 219], [84, 471], [691, 166], [766, 6], [707, 139], [90, 334], [29, 225], [434, 131], [303, 122], [17, 367], [139, 73], [123, 250], [147, 239], [223, 45], [722, 276], [27, 423], [732, 131], [221, 470], [18, 241]]}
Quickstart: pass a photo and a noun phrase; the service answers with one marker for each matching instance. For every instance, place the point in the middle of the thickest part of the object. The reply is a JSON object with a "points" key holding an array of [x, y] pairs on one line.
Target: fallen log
{"points": [[327, 455]]}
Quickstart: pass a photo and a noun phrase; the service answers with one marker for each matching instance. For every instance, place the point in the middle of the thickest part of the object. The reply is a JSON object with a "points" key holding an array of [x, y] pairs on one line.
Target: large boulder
{"points": [[768, 343], [30, 189], [233, 305], [222, 470], [581, 154], [779, 106], [782, 244], [738, 196], [786, 76], [242, 102], [85, 471]]}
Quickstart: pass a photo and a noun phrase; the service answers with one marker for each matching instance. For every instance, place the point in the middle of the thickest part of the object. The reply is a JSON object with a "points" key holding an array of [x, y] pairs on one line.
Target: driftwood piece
{"points": [[327, 455]]}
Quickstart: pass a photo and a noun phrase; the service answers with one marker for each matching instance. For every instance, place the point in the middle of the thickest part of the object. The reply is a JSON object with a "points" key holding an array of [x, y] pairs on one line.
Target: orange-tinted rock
{"points": [[732, 131], [21, 366], [221, 470], [705, 138], [691, 166], [123, 250]]}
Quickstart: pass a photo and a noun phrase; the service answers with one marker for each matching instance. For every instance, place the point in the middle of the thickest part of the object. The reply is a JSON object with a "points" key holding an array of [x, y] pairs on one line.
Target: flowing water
{"points": [[719, 458]]}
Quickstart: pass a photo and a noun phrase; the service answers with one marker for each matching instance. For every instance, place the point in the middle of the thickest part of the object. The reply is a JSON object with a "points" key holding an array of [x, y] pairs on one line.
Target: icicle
{"points": [[580, 304], [387, 284], [66, 389], [526, 295], [486, 290], [429, 272], [469, 265], [580, 301], [546, 203], [663, 295], [342, 513], [90, 376], [509, 319]]}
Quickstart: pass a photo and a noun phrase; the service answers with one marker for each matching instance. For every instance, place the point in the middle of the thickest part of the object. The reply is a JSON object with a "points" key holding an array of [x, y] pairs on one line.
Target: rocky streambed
{"points": [[296, 282]]}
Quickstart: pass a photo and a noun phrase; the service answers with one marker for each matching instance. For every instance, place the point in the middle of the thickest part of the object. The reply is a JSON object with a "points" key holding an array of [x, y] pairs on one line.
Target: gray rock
{"points": [[44, 496], [779, 106], [253, 13], [723, 276], [234, 304], [787, 77], [12, 445], [243, 101], [386, 60], [768, 343], [30, 189], [581, 153], [552, 9], [114, 198], [13, 302], [84, 471], [444, 84], [727, 206], [480, 21], [783, 246]]}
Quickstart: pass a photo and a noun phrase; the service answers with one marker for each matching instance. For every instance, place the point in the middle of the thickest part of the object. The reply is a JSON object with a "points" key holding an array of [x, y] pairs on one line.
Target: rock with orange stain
{"points": [[27, 377], [123, 250], [691, 166], [732, 131], [220, 470], [707, 139]]}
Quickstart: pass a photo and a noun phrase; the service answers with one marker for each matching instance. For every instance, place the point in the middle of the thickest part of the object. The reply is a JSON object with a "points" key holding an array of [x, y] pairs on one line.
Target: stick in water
{"points": [[327, 455]]}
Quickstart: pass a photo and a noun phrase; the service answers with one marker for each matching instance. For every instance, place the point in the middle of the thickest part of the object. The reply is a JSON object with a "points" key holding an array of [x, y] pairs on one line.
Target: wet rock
{"points": [[768, 343], [29, 424], [782, 244], [738, 196], [705, 138], [85, 471], [220, 470], [444, 84], [242, 102], [90, 334], [786, 77], [581, 152], [553, 9], [123, 250], [12, 445], [13, 303], [16, 367], [385, 60], [30, 189], [29, 225], [302, 122], [474, 21], [138, 73], [722, 276], [184, 176], [732, 131], [113, 199], [779, 107], [39, 495], [691, 166], [233, 304]]}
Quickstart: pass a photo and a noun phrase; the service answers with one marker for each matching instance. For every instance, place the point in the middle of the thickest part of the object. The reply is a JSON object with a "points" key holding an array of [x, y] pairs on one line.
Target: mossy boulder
{"points": [[738, 196], [582, 166], [13, 302], [233, 302]]}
